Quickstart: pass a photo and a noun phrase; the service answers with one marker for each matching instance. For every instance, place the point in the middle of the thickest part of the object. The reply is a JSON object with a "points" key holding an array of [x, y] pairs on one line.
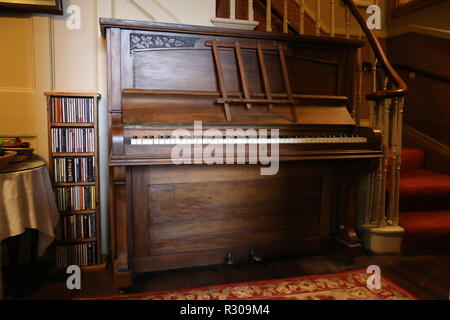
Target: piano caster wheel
{"points": [[229, 258], [253, 257]]}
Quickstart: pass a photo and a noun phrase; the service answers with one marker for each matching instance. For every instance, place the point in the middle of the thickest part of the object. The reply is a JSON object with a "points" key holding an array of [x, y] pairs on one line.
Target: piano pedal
{"points": [[229, 258], [253, 257]]}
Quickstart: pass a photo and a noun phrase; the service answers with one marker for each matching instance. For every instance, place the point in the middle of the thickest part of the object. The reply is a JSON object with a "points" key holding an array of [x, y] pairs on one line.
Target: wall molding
{"points": [[413, 28], [17, 90]]}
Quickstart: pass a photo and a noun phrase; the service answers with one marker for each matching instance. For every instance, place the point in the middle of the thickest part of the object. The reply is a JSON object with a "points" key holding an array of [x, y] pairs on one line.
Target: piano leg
{"points": [[347, 241], [122, 277]]}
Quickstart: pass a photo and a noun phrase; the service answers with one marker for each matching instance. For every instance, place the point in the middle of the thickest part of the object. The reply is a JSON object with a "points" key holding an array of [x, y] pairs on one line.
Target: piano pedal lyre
{"points": [[253, 257]]}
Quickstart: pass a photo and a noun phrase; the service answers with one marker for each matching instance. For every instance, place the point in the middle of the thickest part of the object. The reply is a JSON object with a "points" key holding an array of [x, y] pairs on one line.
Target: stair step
{"points": [[425, 190], [413, 159], [426, 232]]}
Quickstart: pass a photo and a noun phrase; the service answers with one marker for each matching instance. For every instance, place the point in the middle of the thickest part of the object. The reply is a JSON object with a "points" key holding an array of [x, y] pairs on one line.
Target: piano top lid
{"points": [[203, 30]]}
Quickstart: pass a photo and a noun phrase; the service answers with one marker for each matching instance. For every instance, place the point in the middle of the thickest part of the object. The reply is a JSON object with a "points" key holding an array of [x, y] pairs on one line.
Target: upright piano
{"points": [[229, 146]]}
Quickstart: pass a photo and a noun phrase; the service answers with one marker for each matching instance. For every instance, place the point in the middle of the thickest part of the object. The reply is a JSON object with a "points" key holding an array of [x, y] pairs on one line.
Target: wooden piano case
{"points": [[165, 216]]}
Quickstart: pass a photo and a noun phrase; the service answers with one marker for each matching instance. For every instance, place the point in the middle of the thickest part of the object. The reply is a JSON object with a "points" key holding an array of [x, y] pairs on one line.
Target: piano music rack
{"points": [[84, 118], [248, 100]]}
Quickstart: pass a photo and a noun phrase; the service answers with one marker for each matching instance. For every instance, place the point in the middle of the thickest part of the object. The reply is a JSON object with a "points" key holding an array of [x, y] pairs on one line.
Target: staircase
{"points": [[403, 193], [424, 205]]}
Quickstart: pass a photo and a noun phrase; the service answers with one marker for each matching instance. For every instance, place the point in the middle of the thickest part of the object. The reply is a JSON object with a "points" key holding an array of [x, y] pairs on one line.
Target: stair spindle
{"points": [[370, 198], [396, 191], [251, 12], [372, 180], [233, 9], [386, 111], [374, 75], [317, 17], [378, 107], [348, 20], [332, 18], [359, 62], [269, 16], [302, 17], [285, 16], [392, 173]]}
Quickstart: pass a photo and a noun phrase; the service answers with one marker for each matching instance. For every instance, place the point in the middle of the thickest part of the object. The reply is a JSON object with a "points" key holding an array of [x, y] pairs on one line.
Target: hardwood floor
{"points": [[427, 277]]}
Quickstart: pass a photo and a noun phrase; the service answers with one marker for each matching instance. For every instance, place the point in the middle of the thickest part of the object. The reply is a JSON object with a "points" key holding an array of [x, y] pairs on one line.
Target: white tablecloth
{"points": [[27, 201]]}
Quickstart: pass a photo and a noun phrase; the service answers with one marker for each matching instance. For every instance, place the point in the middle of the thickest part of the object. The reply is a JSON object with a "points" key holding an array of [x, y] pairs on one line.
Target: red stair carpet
{"points": [[424, 206], [341, 286]]}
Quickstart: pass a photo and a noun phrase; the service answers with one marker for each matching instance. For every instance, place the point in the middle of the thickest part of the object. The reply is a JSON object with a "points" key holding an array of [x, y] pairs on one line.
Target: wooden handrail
{"points": [[401, 87], [429, 74]]}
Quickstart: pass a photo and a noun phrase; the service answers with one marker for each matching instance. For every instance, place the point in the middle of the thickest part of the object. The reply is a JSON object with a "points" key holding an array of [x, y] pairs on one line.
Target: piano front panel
{"points": [[189, 211]]}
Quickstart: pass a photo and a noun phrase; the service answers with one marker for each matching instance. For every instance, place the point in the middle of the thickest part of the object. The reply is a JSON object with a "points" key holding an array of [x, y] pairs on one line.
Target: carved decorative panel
{"points": [[140, 41]]}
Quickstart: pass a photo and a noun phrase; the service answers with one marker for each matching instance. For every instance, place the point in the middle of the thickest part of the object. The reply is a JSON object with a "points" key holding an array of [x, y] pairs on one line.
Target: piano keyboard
{"points": [[237, 140]]}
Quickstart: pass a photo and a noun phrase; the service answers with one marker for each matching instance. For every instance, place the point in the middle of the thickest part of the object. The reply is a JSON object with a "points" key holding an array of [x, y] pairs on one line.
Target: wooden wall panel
{"points": [[427, 105]]}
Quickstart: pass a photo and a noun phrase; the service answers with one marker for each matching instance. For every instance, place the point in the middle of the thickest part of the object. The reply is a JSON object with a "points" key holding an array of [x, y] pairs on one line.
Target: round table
{"points": [[27, 202]]}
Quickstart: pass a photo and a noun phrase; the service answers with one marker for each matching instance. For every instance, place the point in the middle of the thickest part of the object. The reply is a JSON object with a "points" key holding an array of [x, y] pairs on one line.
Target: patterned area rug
{"points": [[341, 286]]}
